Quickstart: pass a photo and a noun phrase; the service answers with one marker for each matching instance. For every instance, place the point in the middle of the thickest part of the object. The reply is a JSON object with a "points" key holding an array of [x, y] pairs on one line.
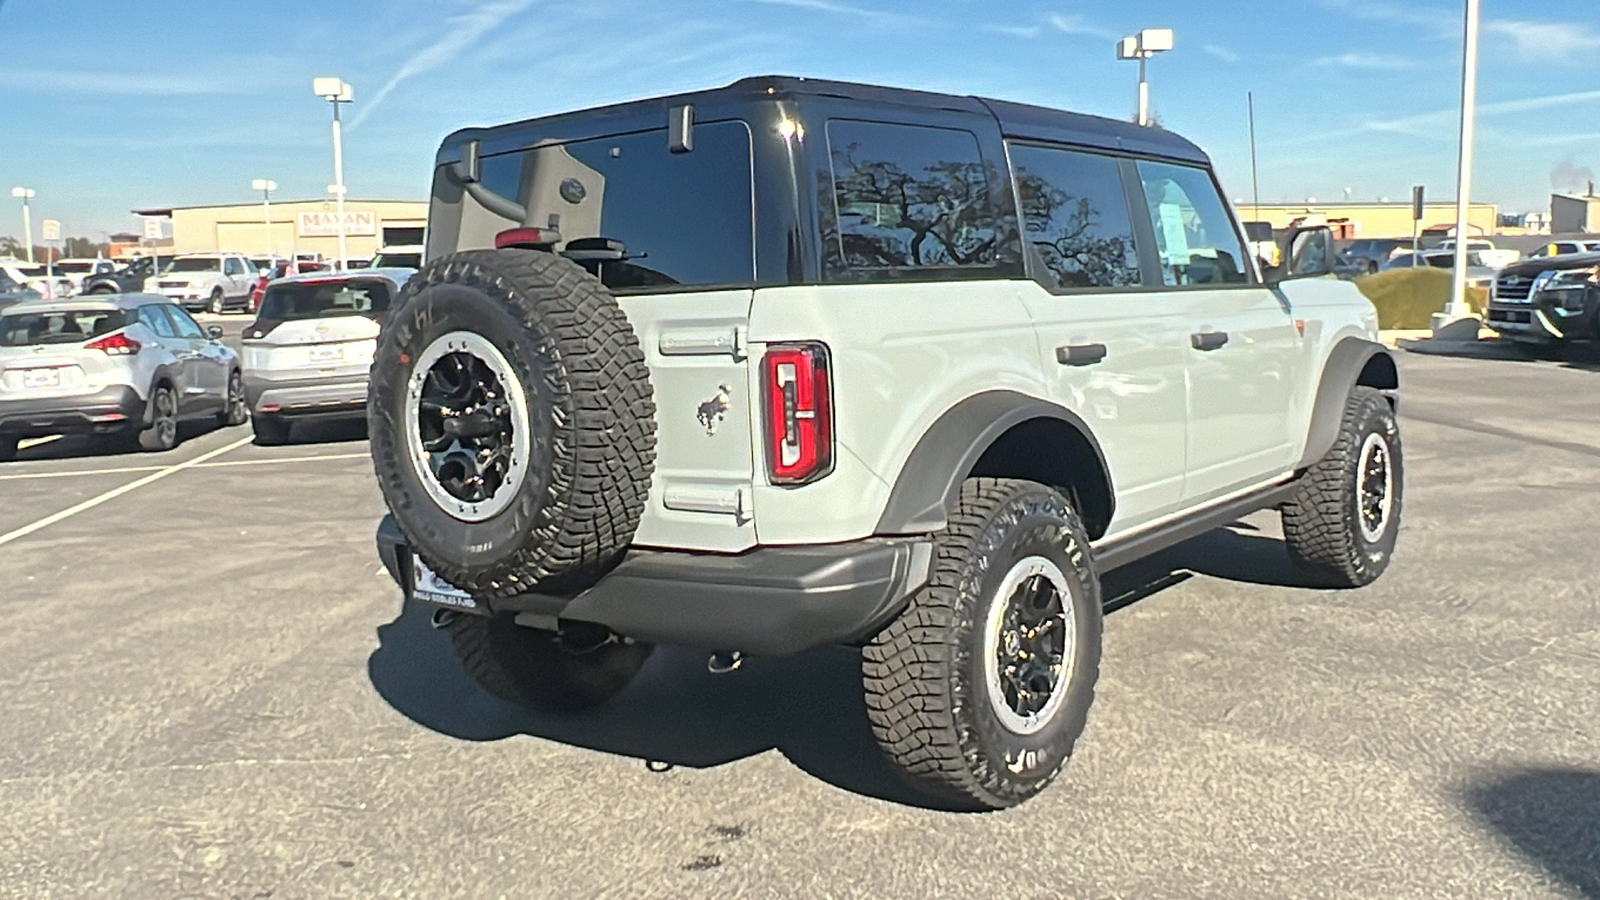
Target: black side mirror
{"points": [[1308, 253], [214, 332]]}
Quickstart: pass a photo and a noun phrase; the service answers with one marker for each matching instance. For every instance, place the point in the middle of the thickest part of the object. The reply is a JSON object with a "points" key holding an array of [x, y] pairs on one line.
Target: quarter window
{"points": [[907, 197], [1075, 218], [1195, 234]]}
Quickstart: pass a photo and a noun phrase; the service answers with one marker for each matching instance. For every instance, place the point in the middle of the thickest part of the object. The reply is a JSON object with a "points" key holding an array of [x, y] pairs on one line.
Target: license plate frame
{"points": [[428, 587], [41, 378], [331, 354]]}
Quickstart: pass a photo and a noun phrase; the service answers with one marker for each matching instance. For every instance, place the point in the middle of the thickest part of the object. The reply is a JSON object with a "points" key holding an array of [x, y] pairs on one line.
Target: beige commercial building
{"points": [[1372, 220], [298, 226]]}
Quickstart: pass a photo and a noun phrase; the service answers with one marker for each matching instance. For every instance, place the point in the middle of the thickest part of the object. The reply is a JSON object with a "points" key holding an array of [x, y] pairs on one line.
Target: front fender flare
{"points": [[1350, 358]]}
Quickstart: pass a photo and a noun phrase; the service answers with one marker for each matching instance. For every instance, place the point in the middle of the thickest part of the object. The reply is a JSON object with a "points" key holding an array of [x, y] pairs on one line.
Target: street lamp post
{"points": [[1457, 310], [1142, 46], [25, 194], [266, 188], [336, 91]]}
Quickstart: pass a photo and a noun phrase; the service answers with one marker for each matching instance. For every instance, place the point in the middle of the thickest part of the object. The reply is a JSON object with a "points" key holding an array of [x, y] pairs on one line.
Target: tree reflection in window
{"points": [[1076, 217], [908, 197]]}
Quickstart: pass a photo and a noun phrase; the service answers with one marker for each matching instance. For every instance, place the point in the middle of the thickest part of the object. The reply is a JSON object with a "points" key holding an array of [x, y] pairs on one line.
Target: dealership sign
{"points": [[326, 224]]}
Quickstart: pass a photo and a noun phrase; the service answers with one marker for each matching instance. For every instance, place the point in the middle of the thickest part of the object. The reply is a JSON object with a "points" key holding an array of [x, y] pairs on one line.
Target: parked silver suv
{"points": [[126, 366], [793, 363]]}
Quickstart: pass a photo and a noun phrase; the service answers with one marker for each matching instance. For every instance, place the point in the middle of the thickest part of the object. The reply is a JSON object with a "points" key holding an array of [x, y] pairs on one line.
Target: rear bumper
{"points": [[769, 601], [306, 397], [111, 410]]}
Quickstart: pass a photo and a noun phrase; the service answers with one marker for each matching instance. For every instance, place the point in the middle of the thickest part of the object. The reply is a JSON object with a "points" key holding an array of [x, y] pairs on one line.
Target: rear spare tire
{"points": [[512, 422]]}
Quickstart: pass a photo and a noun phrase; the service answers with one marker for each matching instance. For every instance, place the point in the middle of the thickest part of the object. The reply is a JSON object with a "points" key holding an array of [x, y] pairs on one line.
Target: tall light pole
{"points": [[336, 91], [266, 188], [25, 194], [1142, 46], [1457, 309]]}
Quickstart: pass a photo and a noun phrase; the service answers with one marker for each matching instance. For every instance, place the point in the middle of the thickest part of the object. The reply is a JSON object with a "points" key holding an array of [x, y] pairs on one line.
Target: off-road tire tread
{"points": [[908, 667], [1318, 529], [604, 440]]}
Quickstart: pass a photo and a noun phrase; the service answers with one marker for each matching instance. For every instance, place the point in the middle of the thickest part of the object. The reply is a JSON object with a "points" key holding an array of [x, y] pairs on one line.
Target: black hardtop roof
{"points": [[1016, 120]]}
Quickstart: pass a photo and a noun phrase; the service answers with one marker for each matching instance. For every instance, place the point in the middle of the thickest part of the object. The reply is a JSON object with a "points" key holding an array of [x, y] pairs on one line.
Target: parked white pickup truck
{"points": [[1493, 257]]}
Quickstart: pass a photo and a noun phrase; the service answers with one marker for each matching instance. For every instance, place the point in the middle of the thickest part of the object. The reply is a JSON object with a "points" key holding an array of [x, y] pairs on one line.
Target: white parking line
{"points": [[124, 470], [113, 494]]}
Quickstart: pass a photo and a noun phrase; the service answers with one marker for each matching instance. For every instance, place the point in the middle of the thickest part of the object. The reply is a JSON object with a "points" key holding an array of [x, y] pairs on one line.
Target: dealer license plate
{"points": [[326, 354], [430, 588], [40, 378]]}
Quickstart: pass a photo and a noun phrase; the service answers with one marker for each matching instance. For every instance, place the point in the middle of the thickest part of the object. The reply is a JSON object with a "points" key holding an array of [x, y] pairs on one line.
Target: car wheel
{"points": [[1372, 267], [162, 433], [1341, 524], [978, 691], [8, 448], [512, 423], [270, 429], [218, 302], [234, 410], [578, 669]]}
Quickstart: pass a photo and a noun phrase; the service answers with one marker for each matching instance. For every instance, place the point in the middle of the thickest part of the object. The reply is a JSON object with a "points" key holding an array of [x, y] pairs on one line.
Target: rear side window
{"points": [[1195, 233], [66, 327], [1075, 216], [325, 299], [906, 197], [684, 219]]}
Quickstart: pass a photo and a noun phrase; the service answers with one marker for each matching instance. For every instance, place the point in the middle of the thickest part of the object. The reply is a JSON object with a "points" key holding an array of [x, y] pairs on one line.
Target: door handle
{"points": [[1080, 354], [1206, 341]]}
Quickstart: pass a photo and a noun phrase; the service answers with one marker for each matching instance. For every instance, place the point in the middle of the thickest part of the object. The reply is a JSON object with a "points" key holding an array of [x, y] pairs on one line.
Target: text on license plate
{"points": [[38, 378], [430, 588], [326, 354]]}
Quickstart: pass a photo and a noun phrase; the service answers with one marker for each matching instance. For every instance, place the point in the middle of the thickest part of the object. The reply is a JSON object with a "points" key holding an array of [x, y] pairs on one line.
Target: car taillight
{"points": [[115, 344], [799, 412]]}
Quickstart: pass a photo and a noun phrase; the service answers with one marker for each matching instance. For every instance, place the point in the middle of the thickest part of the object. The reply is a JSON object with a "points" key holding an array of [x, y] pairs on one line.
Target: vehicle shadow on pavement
{"points": [[80, 446], [1238, 552], [1551, 816], [808, 707], [327, 431]]}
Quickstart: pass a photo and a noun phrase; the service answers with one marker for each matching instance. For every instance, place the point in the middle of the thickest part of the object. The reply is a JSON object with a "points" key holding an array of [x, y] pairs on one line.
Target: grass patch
{"points": [[1408, 298]]}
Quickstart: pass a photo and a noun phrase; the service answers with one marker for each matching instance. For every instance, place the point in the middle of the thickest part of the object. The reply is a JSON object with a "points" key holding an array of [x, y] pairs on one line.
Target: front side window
{"points": [[156, 321], [907, 197], [1195, 234], [682, 219], [1075, 217], [186, 325]]}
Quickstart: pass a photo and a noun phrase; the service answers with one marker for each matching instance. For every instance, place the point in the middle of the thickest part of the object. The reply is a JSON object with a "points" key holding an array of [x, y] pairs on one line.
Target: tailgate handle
{"points": [[1081, 354], [704, 342], [1206, 341]]}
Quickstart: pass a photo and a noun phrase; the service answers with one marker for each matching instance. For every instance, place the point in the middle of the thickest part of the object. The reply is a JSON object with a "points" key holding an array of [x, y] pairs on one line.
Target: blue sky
{"points": [[111, 106]]}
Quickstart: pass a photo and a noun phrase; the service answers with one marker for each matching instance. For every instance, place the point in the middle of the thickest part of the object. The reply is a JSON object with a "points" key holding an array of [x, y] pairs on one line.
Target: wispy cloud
{"points": [[1222, 53], [1561, 41], [1021, 31], [1073, 24], [460, 33], [1366, 61], [844, 9], [1433, 22]]}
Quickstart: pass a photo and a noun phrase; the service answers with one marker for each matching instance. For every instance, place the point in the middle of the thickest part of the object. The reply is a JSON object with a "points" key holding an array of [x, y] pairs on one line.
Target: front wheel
{"points": [[544, 670], [1341, 524], [978, 691], [218, 302]]}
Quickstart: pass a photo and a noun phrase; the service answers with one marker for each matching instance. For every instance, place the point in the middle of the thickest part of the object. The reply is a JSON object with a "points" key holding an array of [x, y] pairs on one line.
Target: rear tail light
{"points": [[115, 344], [799, 412]]}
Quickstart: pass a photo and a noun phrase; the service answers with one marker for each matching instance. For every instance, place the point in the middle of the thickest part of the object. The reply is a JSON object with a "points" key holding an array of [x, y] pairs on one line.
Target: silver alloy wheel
{"points": [[1374, 488], [1029, 645], [467, 426], [166, 417]]}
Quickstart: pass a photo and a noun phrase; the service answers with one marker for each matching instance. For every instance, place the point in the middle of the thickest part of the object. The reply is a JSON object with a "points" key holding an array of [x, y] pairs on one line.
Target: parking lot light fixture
{"points": [[1141, 47], [25, 194], [336, 91], [266, 187], [1457, 320]]}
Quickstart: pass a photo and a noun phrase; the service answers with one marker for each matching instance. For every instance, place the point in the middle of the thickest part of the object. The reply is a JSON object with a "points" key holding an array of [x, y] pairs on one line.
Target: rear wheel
{"points": [[568, 672], [162, 433], [978, 691], [270, 429], [234, 410]]}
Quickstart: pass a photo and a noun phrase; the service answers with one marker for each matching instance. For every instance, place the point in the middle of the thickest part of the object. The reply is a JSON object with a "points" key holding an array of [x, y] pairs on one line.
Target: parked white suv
{"points": [[1492, 257], [214, 282], [794, 363]]}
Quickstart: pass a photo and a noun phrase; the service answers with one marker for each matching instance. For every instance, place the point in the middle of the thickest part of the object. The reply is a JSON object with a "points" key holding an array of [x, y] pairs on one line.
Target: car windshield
{"points": [[68, 326], [74, 268], [397, 261], [195, 264], [325, 299]]}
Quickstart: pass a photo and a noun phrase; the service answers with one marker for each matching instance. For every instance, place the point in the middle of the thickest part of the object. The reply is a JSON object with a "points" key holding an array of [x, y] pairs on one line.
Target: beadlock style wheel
{"points": [[1375, 482], [1029, 641], [468, 427]]}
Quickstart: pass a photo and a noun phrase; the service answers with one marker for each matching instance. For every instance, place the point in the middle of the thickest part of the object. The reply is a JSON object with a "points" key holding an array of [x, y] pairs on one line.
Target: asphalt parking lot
{"points": [[211, 690]]}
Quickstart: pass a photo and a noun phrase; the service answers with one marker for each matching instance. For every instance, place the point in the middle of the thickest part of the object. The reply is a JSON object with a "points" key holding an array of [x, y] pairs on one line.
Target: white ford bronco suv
{"points": [[792, 363]]}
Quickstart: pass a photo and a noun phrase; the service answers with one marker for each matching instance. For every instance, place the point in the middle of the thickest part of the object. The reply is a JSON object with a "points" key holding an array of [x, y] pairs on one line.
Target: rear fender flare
{"points": [[929, 483]]}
